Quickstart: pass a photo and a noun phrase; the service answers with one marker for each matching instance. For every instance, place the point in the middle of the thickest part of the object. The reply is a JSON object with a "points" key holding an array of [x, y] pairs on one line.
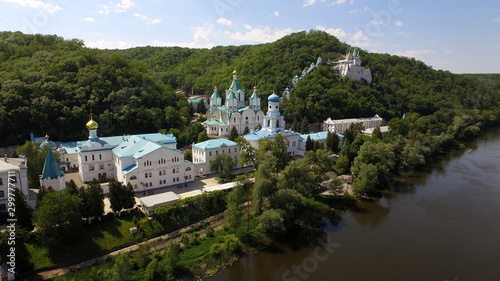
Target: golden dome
{"points": [[92, 125], [235, 72]]}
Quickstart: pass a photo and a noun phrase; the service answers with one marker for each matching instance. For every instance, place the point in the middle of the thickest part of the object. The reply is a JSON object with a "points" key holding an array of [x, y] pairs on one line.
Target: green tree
{"points": [[336, 187], [188, 155], [36, 160], [72, 188], [399, 126], [202, 136], [129, 196], [343, 164], [58, 218], [115, 195], [150, 272], [142, 256], [171, 256], [94, 202], [24, 214], [271, 222], [200, 107], [279, 149], [246, 131], [299, 177], [233, 134], [264, 185], [247, 151], [377, 133], [173, 118], [309, 144], [366, 179], [234, 211], [39, 196], [332, 142], [122, 269], [223, 164], [304, 126]]}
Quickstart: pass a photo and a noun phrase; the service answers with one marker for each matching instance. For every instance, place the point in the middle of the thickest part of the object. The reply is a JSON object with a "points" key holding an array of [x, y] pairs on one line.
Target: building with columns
{"points": [[234, 113]]}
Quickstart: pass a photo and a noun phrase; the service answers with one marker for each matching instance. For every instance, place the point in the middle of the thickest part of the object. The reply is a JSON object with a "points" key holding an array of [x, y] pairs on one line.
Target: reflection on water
{"points": [[441, 222]]}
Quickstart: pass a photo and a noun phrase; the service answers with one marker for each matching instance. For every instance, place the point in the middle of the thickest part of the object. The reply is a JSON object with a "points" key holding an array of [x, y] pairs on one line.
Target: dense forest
{"points": [[50, 85]]}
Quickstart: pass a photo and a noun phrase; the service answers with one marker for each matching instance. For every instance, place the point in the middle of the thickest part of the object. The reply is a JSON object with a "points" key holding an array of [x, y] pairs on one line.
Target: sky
{"points": [[458, 36]]}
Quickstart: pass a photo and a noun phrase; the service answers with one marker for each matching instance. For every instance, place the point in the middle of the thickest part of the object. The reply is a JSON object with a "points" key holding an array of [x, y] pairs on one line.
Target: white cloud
{"points": [[89, 19], [36, 4], [337, 32], [448, 51], [398, 23], [260, 34], [124, 5], [104, 9], [105, 44], [276, 13], [496, 19], [201, 33], [414, 53], [147, 19], [353, 11], [377, 22], [337, 2], [360, 39], [247, 26], [196, 45], [312, 2], [309, 3], [224, 21]]}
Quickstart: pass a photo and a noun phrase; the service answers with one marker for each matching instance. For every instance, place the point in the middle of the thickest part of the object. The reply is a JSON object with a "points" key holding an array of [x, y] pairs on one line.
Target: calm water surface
{"points": [[442, 223]]}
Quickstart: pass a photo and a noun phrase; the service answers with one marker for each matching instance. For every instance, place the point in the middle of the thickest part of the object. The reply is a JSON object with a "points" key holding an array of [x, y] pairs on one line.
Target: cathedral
{"points": [[234, 113], [351, 67]]}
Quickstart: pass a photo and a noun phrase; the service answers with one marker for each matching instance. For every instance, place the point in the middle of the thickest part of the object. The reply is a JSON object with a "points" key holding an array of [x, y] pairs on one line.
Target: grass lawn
{"points": [[111, 232]]}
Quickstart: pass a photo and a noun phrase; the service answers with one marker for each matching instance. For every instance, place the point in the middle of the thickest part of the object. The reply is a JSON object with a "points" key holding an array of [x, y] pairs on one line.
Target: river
{"points": [[442, 223]]}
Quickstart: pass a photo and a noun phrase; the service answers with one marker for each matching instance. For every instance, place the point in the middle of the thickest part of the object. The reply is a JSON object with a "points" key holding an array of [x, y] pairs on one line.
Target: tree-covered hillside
{"points": [[49, 85]]}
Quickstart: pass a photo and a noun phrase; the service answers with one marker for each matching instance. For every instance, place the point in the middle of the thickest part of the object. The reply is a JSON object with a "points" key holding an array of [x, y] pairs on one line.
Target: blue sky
{"points": [[459, 36]]}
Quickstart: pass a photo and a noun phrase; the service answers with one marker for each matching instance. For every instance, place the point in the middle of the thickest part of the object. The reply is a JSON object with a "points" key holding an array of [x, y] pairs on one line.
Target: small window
{"points": [[164, 172], [2, 194], [160, 182], [100, 157], [133, 177], [135, 186], [173, 171], [93, 157], [91, 167], [159, 173], [86, 158], [188, 168], [177, 170], [101, 166], [150, 184], [1, 181], [146, 175], [150, 174], [177, 179]]}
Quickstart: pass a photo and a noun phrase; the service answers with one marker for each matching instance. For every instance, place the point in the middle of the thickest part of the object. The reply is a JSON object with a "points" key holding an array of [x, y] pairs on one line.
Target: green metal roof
{"points": [[215, 95], [51, 168], [254, 95], [215, 143]]}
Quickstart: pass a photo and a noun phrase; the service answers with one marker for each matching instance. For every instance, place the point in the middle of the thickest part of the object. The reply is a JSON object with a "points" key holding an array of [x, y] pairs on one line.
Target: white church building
{"points": [[234, 113], [147, 161], [351, 66], [273, 124]]}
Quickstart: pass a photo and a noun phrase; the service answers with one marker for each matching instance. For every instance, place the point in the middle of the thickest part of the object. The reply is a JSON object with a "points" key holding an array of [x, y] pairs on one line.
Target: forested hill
{"points": [[49, 85]]}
